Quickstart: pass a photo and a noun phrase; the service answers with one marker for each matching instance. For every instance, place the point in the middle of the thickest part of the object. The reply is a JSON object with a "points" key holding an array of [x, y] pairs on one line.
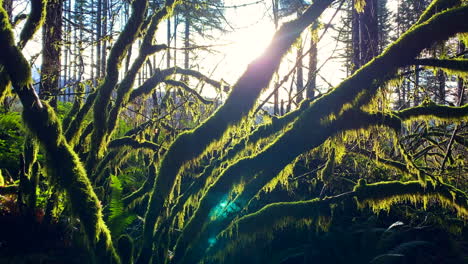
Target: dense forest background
{"points": [[121, 143]]}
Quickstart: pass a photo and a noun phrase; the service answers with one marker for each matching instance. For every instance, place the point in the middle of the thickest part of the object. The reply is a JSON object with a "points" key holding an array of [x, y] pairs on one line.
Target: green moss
{"points": [[77, 104], [15, 65], [34, 22], [307, 132], [326, 173], [189, 146], [5, 85], [383, 195], [62, 162], [434, 111], [104, 91], [451, 66]]}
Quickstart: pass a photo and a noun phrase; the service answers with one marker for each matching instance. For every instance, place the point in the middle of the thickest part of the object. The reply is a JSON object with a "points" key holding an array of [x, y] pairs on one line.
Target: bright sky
{"points": [[251, 29], [254, 28]]}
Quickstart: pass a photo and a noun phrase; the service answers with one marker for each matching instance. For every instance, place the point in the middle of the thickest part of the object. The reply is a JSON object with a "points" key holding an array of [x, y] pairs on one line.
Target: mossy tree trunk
{"points": [[39, 117], [51, 52]]}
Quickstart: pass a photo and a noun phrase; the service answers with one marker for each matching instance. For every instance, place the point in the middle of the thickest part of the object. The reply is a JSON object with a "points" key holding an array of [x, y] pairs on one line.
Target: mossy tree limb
{"points": [[245, 92], [257, 171], [161, 75], [75, 127], [104, 91], [124, 88], [133, 143], [34, 22], [434, 111], [298, 138], [458, 65], [64, 165], [246, 229], [186, 88]]}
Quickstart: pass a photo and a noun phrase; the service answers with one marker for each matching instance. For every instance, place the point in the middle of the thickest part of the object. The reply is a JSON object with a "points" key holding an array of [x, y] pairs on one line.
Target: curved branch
{"points": [[189, 90], [242, 98], [443, 112], [104, 91], [457, 65], [161, 75], [65, 166], [34, 21], [317, 124], [132, 142], [379, 196]]}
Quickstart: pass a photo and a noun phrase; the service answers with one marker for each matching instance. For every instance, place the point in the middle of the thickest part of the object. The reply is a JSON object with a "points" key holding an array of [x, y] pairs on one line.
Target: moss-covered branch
{"points": [[257, 171], [77, 105], [186, 88], [454, 65], [133, 143], [143, 190], [379, 196], [62, 162], [124, 88], [308, 130], [34, 22], [434, 111], [198, 75], [104, 91], [5, 84], [161, 75], [382, 195], [245, 92], [399, 166], [75, 127]]}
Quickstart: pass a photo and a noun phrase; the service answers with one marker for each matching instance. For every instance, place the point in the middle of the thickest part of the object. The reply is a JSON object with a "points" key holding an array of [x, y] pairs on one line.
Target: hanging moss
{"points": [[5, 85], [399, 166], [434, 111], [257, 171], [190, 145], [133, 143], [452, 66], [308, 132], [77, 104], [34, 22], [62, 162], [326, 173], [383, 195], [259, 227], [104, 91], [15, 65]]}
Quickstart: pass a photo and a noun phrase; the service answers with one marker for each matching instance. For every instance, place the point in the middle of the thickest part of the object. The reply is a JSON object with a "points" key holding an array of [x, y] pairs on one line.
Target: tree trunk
{"points": [[105, 8], [98, 39], [51, 49], [312, 75], [355, 40], [300, 77], [369, 36], [187, 42]]}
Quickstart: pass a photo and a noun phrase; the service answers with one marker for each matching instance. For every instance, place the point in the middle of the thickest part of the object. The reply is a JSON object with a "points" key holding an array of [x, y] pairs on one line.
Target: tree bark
{"points": [[51, 52]]}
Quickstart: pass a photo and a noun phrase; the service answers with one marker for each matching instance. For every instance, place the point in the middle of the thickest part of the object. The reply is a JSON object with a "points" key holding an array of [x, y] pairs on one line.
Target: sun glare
{"points": [[250, 43]]}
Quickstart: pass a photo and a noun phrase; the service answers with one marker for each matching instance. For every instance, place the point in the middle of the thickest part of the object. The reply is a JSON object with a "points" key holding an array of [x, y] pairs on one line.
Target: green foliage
{"points": [[118, 218], [11, 141]]}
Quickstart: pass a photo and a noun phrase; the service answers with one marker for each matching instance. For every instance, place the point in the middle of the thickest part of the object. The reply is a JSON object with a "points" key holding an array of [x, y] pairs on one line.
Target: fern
{"points": [[119, 218]]}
